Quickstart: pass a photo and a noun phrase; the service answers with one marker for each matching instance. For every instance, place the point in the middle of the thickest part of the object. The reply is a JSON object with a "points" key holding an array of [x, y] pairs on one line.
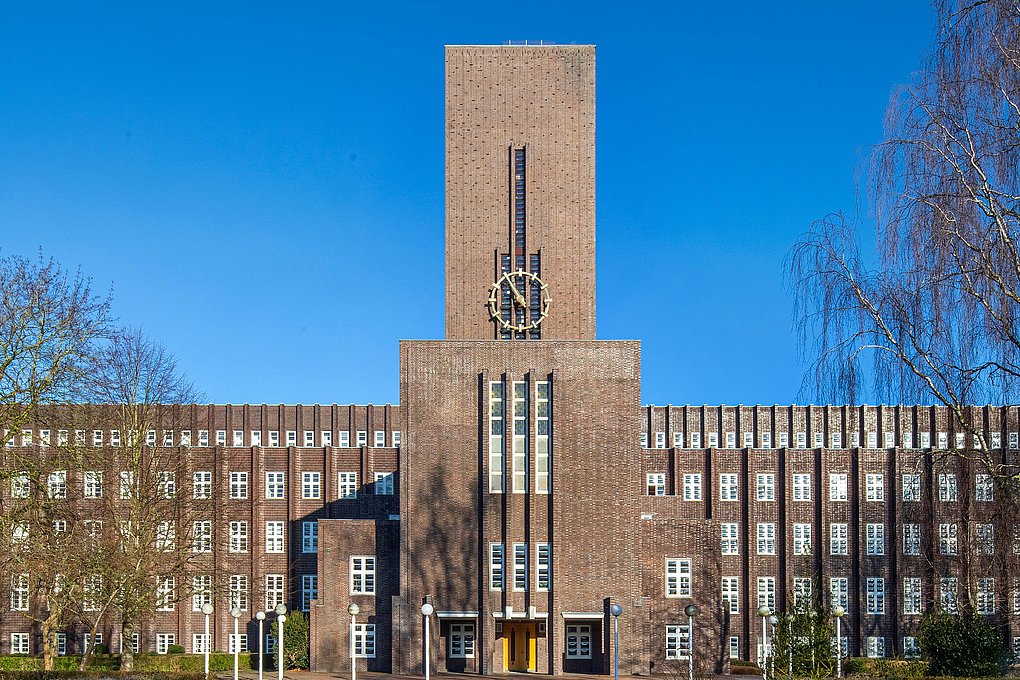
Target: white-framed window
{"points": [[274, 439], [168, 437], [836, 440], [201, 485], [166, 536], [364, 640], [948, 543], [238, 537], [748, 440], [310, 537], [660, 440], [395, 438], [164, 641], [166, 483], [911, 487], [695, 440], [127, 484], [943, 440], [692, 486], [201, 591], [19, 592], [947, 487], [93, 484], [678, 577], [203, 438], [347, 485], [518, 439], [384, 484], [908, 440], [379, 439], [61, 644], [462, 640], [19, 643], [961, 440], [291, 437], [238, 485], [802, 487], [731, 593], [497, 446], [256, 437], [185, 437], [729, 489], [238, 591], [362, 574], [912, 595], [802, 440], [874, 539], [242, 643], [766, 440], [543, 417], [166, 593], [238, 438], [495, 566], [1015, 596], [911, 539], [578, 641], [734, 646], [275, 539], [56, 484], [21, 487], [984, 488], [875, 595], [326, 438], [911, 650], [361, 437], [311, 485], [802, 590], [874, 486], [221, 437], [309, 590], [97, 438], [839, 592], [784, 440], [713, 439], [201, 536], [276, 486], [766, 538], [838, 487], [344, 439], [1014, 440], [767, 592], [875, 647], [985, 538], [656, 483], [819, 440], [766, 486], [309, 438], [801, 539], [947, 594], [731, 440], [925, 440], [985, 596], [730, 538], [520, 566], [275, 593], [543, 566], [678, 641], [19, 533]]}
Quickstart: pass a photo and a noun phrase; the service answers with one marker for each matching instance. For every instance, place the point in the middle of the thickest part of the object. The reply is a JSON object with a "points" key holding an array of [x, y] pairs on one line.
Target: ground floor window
{"points": [[911, 650], [579, 641], [199, 643], [734, 646], [242, 642], [19, 643], [364, 640], [678, 641], [462, 640], [875, 647], [87, 641], [163, 642], [61, 644]]}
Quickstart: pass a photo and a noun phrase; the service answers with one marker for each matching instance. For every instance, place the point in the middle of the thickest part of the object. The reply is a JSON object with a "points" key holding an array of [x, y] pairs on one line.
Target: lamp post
{"points": [[426, 612], [207, 609], [838, 612], [353, 609], [261, 616], [773, 620], [764, 612], [616, 610], [281, 616], [690, 610], [236, 613]]}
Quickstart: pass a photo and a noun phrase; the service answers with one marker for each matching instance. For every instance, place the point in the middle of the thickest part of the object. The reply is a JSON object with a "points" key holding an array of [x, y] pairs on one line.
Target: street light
{"points": [[236, 613], [764, 612], [838, 612], [690, 610], [261, 616], [773, 620], [281, 616], [207, 610], [353, 609], [616, 610], [426, 612]]}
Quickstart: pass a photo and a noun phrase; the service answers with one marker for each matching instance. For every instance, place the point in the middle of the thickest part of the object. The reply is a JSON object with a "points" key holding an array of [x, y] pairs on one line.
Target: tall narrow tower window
{"points": [[543, 472], [496, 437], [520, 438]]}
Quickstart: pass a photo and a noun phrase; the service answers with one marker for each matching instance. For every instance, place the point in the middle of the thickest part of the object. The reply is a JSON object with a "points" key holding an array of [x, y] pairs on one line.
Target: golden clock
{"points": [[519, 301]]}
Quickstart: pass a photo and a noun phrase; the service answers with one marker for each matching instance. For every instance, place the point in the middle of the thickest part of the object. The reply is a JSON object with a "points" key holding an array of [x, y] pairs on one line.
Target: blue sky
{"points": [[261, 184]]}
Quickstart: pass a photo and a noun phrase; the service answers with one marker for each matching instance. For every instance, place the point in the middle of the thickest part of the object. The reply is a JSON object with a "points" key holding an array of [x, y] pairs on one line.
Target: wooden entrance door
{"points": [[519, 646]]}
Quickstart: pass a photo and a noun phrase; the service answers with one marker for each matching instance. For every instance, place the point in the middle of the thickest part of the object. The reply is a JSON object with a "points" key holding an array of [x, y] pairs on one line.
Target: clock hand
{"points": [[517, 295]]}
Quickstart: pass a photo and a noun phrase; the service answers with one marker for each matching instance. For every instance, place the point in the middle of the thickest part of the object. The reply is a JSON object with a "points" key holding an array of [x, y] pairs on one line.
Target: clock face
{"points": [[519, 301]]}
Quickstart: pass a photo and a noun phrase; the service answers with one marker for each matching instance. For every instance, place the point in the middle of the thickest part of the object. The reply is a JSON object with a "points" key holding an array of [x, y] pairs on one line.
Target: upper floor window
{"points": [[766, 490], [947, 487], [276, 487], [802, 487], [656, 483], [911, 487], [692, 486], [238, 485], [766, 538], [362, 574], [311, 485], [874, 487], [837, 486], [384, 483], [984, 488], [678, 577], [728, 488]]}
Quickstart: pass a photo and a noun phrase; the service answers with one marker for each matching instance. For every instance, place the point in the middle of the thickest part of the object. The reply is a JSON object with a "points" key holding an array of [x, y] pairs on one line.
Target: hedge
{"points": [[149, 666]]}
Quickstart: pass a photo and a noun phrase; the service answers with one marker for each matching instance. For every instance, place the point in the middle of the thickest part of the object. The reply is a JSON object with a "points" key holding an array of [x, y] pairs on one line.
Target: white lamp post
{"points": [[690, 610], [281, 616], [207, 609], [764, 612], [353, 609], [838, 612], [426, 612], [616, 610], [772, 647], [261, 616], [236, 613]]}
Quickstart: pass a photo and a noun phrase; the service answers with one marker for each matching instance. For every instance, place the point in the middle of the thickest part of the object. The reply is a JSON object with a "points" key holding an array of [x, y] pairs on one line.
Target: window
{"points": [[395, 438], [660, 440], [802, 487], [578, 643], [518, 441], [1014, 440], [875, 539], [908, 440], [766, 440], [802, 590], [309, 438], [734, 646], [496, 434], [238, 592], [362, 437], [166, 536], [986, 595], [520, 566], [97, 438], [875, 592], [961, 440], [311, 485], [201, 592], [948, 540], [947, 594], [748, 440], [291, 436], [239, 485], [61, 644], [802, 440], [767, 592], [164, 641], [713, 439], [238, 438], [168, 437], [201, 485], [855, 439], [543, 566], [912, 595], [838, 486], [766, 490], [274, 439], [695, 440], [364, 640], [801, 539], [201, 536], [462, 640], [947, 487], [384, 484], [127, 484], [19, 592], [543, 413], [766, 538], [728, 489], [731, 440], [344, 439], [203, 438], [347, 485], [984, 489], [309, 537], [221, 437], [839, 592], [911, 539], [275, 537], [678, 577], [819, 440], [836, 440], [238, 537], [256, 438], [19, 533], [199, 642], [379, 439], [985, 539], [731, 593], [20, 485], [19, 643], [656, 483], [911, 487], [309, 590], [692, 486], [874, 485], [678, 641], [911, 650], [93, 484], [166, 483], [166, 587], [185, 437], [276, 487], [274, 591], [56, 484], [730, 541], [495, 566], [875, 647], [362, 574], [926, 440]]}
